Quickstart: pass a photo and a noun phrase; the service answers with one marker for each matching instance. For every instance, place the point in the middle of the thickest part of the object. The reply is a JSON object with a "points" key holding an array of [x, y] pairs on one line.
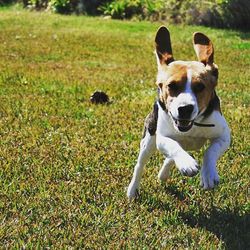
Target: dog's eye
{"points": [[173, 86], [198, 87]]}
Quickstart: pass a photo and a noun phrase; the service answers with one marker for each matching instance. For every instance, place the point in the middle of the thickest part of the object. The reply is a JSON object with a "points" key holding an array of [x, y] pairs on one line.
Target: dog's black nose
{"points": [[185, 112]]}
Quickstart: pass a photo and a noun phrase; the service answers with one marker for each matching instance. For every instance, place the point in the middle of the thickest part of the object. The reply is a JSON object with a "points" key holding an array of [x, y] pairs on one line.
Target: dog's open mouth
{"points": [[183, 125]]}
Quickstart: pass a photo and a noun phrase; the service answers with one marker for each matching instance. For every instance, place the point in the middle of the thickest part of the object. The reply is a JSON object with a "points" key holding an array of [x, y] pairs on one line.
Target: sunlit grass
{"points": [[65, 163]]}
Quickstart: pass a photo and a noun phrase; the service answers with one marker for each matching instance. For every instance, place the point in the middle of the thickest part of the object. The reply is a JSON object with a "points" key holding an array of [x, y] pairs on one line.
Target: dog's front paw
{"points": [[209, 178], [186, 164], [132, 191]]}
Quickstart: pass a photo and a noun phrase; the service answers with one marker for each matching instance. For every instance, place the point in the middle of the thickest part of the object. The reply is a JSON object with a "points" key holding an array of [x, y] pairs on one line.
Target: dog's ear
{"points": [[205, 52], [203, 48], [163, 46]]}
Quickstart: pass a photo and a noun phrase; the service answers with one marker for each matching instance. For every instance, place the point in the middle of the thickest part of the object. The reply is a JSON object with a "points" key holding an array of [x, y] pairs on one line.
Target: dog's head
{"points": [[185, 87]]}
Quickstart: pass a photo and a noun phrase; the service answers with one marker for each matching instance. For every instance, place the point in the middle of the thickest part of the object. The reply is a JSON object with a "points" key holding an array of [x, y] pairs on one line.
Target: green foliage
{"points": [[37, 4], [142, 9], [235, 14], [213, 13], [6, 2], [220, 13], [116, 9], [60, 6], [67, 6]]}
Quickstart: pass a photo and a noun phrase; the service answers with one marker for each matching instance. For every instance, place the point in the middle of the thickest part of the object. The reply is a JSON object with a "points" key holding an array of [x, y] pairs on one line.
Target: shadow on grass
{"points": [[227, 224], [244, 35]]}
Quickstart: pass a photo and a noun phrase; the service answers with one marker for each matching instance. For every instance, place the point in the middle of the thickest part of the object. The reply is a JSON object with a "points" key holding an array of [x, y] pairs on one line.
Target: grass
{"points": [[65, 163]]}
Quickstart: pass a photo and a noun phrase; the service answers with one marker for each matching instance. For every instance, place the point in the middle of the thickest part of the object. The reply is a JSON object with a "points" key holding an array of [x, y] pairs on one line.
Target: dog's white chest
{"points": [[189, 142], [194, 139]]}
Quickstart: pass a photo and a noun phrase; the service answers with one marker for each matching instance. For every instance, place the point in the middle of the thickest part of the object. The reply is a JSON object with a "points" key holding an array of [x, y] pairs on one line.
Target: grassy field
{"points": [[65, 163]]}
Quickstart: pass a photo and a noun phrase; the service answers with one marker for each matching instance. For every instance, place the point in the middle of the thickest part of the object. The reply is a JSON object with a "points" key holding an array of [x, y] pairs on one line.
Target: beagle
{"points": [[186, 115]]}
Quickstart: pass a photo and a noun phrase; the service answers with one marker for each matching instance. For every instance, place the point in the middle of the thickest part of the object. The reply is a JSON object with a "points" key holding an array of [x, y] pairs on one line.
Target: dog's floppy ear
{"points": [[163, 46], [203, 48]]}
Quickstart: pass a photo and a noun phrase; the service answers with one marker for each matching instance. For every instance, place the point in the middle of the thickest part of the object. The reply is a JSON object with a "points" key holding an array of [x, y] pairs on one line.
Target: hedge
{"points": [[214, 13]]}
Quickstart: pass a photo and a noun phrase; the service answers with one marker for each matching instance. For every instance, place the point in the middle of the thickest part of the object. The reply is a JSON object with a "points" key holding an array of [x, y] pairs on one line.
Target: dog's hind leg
{"points": [[147, 148], [165, 169]]}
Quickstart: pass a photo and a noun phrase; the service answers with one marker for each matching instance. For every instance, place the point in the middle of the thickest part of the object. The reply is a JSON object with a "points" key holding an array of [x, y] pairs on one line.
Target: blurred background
{"points": [[233, 14]]}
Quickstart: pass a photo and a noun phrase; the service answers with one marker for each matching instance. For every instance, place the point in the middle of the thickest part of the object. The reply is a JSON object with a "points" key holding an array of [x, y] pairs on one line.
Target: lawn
{"points": [[65, 163]]}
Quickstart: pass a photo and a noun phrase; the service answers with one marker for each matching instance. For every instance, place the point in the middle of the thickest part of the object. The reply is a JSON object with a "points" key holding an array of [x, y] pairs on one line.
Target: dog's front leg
{"points": [[147, 147], [209, 174], [164, 172], [172, 150]]}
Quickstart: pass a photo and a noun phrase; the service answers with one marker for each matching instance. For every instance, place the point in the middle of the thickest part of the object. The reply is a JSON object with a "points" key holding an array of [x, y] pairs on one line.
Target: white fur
{"points": [[147, 148], [165, 169], [187, 97], [173, 144]]}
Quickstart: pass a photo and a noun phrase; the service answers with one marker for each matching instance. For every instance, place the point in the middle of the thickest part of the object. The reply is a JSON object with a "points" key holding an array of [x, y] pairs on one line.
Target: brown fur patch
{"points": [[177, 76], [203, 48], [172, 75]]}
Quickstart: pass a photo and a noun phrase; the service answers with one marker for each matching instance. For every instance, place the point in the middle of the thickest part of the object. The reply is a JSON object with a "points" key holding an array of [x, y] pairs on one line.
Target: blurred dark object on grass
{"points": [[99, 97]]}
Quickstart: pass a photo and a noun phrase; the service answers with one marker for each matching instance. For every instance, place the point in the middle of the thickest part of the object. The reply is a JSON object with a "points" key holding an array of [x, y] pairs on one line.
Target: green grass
{"points": [[65, 163]]}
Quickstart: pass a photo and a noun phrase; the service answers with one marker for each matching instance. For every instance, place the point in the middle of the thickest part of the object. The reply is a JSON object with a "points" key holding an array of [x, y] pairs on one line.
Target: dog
{"points": [[186, 115]]}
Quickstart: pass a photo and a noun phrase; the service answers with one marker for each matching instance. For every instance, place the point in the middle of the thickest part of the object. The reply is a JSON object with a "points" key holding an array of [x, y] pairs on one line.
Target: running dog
{"points": [[186, 114]]}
